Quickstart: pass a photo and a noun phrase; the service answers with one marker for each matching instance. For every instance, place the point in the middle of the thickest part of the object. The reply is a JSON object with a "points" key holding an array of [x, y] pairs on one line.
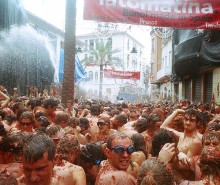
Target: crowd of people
{"points": [[90, 142]]}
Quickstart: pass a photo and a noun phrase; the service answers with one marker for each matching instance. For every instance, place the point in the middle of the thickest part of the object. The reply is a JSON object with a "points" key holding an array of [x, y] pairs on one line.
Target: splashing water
{"points": [[25, 59]]}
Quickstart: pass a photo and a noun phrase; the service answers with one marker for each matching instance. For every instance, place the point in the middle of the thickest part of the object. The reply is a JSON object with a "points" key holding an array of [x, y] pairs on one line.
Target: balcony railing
{"points": [[167, 71]]}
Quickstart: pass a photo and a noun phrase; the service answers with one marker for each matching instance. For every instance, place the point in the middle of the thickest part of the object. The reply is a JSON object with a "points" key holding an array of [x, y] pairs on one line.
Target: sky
{"points": [[53, 11]]}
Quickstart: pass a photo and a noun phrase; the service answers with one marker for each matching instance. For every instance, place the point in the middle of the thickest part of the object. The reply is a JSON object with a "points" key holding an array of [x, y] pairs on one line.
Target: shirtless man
{"points": [[207, 165], [11, 153], [118, 151], [38, 166], [190, 141]]}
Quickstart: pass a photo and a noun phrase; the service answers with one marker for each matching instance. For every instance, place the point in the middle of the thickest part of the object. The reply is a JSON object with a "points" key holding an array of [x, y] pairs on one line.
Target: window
{"points": [[128, 58], [134, 64], [165, 64], [86, 45], [90, 76], [170, 58], [96, 77], [128, 45], [91, 43]]}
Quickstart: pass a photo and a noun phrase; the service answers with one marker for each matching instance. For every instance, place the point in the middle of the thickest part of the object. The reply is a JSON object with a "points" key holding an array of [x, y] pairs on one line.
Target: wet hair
{"points": [[92, 153], [124, 105], [122, 119], [139, 143], [36, 145], [13, 142], [31, 103], [27, 115], [213, 126], [38, 102], [141, 125], [61, 116], [2, 130], [54, 129], [84, 122], [154, 172], [210, 158], [73, 122], [194, 112], [10, 118], [118, 135], [114, 112], [105, 118], [151, 120], [44, 121], [50, 103], [67, 145], [2, 114], [95, 110], [160, 138], [21, 110], [7, 179]]}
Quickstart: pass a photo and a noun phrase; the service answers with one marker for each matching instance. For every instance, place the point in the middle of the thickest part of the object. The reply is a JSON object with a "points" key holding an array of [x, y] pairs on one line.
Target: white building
{"points": [[132, 62]]}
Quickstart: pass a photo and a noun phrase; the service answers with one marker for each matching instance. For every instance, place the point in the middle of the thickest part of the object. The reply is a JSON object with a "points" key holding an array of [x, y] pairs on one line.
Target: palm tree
{"points": [[69, 51], [102, 55]]}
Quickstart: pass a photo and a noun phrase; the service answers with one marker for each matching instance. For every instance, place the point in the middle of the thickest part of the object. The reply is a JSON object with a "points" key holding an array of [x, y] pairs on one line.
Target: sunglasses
{"points": [[121, 150], [101, 123], [97, 162]]}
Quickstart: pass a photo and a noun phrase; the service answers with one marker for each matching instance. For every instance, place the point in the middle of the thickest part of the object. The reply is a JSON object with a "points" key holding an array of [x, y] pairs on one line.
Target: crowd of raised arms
{"points": [[89, 142]]}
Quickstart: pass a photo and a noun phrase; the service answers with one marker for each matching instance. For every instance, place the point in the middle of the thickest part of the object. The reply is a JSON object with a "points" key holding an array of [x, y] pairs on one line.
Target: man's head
{"points": [[153, 171], [61, 118], [26, 121], [192, 119], [214, 126], [119, 150], [38, 155], [153, 122], [141, 125], [68, 148], [210, 157], [8, 179], [84, 124], [160, 138], [139, 143], [56, 132], [11, 147], [95, 110], [120, 120], [103, 124], [50, 105]]}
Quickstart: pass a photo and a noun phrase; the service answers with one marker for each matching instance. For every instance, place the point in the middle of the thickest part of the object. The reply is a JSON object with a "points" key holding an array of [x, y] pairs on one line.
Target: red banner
{"points": [[192, 14], [108, 73]]}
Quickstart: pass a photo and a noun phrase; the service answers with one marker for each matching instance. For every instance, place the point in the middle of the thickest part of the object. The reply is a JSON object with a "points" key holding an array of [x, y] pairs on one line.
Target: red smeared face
{"points": [[120, 162], [190, 123], [26, 124], [39, 172], [211, 150]]}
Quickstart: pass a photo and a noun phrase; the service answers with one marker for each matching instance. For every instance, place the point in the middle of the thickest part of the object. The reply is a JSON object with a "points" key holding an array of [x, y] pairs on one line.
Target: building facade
{"points": [[188, 67], [133, 60]]}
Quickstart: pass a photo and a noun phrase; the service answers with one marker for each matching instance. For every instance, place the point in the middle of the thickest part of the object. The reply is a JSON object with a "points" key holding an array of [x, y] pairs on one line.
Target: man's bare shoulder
{"points": [[116, 178], [68, 167], [12, 168], [68, 174]]}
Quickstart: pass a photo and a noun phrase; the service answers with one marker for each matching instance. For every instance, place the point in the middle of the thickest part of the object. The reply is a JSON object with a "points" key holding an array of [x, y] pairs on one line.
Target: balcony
{"points": [[167, 71]]}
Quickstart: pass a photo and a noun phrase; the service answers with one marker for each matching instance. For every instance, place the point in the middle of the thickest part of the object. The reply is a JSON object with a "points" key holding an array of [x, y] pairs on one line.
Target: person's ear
{"points": [[107, 152]]}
